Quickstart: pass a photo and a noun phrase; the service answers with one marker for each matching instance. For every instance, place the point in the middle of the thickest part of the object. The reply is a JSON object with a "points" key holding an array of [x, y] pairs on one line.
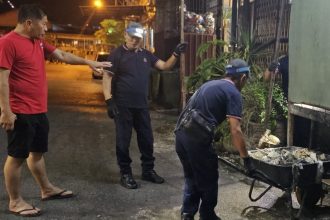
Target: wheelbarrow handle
{"points": [[259, 175], [261, 194]]}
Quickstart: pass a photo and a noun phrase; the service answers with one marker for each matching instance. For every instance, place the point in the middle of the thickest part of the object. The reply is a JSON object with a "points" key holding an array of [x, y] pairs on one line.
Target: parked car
{"points": [[101, 56]]}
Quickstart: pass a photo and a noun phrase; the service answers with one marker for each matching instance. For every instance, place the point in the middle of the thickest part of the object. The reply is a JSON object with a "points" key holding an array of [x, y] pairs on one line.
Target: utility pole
{"points": [[279, 28], [182, 61], [246, 18], [219, 27], [233, 31]]}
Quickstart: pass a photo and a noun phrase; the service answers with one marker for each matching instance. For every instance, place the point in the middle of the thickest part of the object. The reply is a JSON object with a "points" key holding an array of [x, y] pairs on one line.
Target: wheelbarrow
{"points": [[302, 178], [305, 179]]}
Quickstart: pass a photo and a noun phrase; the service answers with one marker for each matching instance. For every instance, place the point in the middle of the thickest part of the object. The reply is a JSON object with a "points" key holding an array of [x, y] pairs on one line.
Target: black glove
{"points": [[273, 66], [112, 108], [249, 167], [180, 48]]}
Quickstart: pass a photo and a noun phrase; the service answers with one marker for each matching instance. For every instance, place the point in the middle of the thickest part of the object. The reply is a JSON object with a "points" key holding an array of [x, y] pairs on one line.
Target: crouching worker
{"points": [[210, 105]]}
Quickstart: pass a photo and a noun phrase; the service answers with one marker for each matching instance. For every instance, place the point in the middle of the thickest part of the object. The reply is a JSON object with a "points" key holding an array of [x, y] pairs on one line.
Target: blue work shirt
{"points": [[216, 100], [131, 70]]}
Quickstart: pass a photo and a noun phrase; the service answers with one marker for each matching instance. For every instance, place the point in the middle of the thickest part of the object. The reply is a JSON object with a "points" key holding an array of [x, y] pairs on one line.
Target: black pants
{"points": [[139, 119], [200, 167]]}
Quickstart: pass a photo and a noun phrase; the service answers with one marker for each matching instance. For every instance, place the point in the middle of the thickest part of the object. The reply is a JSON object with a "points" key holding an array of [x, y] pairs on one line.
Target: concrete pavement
{"points": [[82, 158]]}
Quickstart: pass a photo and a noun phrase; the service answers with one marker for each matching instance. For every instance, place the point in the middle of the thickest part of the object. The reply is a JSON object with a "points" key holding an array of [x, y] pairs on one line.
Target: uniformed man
{"points": [[127, 101], [210, 105], [302, 125], [280, 66]]}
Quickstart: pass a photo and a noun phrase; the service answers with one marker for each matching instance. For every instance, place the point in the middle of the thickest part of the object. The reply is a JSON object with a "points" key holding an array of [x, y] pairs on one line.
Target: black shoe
{"points": [[152, 176], [187, 216], [128, 182]]}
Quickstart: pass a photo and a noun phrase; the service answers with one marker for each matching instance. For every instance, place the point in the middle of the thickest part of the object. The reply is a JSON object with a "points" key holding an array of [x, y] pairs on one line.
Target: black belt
{"points": [[193, 121]]}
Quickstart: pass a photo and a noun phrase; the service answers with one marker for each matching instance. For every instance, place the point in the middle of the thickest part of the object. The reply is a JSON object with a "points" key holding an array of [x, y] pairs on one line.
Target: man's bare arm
{"points": [[106, 84], [180, 48], [237, 136], [7, 117], [267, 75], [162, 65], [75, 60]]}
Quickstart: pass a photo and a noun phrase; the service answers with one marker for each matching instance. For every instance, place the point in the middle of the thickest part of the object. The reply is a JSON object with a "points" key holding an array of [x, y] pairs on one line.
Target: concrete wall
{"points": [[309, 48], [165, 88]]}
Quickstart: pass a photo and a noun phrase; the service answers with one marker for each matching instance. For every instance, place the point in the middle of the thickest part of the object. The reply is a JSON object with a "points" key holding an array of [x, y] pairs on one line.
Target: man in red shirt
{"points": [[23, 104]]}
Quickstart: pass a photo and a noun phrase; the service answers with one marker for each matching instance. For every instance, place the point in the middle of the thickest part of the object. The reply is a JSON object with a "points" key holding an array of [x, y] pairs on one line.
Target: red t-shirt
{"points": [[25, 58]]}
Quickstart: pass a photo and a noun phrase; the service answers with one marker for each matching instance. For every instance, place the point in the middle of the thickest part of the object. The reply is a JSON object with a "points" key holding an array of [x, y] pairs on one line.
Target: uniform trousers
{"points": [[200, 166], [139, 119]]}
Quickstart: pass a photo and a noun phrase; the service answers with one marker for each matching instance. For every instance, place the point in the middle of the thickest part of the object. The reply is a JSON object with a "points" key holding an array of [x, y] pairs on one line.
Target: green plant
{"points": [[209, 69], [255, 92], [112, 32], [254, 99]]}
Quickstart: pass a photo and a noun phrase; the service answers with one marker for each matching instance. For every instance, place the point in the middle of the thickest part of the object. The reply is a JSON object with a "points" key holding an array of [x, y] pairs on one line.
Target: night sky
{"points": [[58, 11]]}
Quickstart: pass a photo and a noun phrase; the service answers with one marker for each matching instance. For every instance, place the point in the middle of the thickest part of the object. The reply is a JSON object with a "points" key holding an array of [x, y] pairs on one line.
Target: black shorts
{"points": [[30, 134]]}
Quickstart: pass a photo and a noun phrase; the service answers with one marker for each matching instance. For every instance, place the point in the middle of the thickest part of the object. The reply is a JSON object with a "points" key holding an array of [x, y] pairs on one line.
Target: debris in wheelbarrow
{"points": [[292, 169], [288, 155]]}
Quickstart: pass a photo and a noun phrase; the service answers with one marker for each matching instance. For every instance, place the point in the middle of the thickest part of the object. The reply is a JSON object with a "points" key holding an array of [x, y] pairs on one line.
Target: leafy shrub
{"points": [[255, 92]]}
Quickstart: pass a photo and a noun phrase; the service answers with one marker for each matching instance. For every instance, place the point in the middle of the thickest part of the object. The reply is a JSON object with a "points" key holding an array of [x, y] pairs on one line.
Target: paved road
{"points": [[82, 158]]}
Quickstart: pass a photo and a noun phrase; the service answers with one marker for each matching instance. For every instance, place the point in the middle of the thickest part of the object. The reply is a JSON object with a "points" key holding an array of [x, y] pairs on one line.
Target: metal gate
{"points": [[263, 26]]}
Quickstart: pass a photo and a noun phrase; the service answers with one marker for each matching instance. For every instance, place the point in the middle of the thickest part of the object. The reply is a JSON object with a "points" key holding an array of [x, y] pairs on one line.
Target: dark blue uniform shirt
{"points": [[216, 100], [131, 70]]}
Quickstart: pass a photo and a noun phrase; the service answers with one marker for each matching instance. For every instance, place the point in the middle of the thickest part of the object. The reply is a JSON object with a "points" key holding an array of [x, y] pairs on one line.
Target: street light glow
{"points": [[98, 3], [11, 4]]}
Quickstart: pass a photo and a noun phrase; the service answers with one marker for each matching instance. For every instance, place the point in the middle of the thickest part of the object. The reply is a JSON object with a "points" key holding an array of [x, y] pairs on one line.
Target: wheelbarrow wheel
{"points": [[312, 194]]}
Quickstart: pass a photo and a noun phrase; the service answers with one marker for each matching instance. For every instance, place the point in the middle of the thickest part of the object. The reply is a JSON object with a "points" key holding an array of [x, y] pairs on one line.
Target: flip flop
{"points": [[20, 213], [59, 195]]}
